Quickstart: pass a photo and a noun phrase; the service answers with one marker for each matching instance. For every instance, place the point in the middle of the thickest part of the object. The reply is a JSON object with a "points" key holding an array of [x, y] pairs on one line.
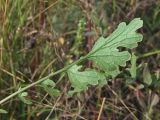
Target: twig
{"points": [[100, 112]]}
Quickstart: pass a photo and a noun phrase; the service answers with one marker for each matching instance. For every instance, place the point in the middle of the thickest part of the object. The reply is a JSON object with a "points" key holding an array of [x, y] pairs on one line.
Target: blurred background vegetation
{"points": [[41, 36]]}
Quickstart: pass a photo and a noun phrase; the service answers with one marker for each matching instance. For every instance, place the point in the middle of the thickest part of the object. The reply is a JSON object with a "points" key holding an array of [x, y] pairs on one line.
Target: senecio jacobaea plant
{"points": [[106, 58]]}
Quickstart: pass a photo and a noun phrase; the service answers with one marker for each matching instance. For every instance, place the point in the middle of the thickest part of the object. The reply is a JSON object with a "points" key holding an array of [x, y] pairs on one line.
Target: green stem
{"points": [[149, 54], [41, 80]]}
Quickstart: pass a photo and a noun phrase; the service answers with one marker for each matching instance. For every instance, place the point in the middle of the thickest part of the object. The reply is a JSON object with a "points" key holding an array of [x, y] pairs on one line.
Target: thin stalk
{"points": [[50, 75], [41, 80], [149, 54]]}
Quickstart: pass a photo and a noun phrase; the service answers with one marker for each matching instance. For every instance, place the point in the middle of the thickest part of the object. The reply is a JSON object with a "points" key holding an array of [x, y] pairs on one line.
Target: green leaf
{"points": [[155, 100], [105, 53], [107, 56], [2, 111], [147, 78], [52, 92], [22, 96], [48, 82], [81, 80], [48, 85], [133, 69]]}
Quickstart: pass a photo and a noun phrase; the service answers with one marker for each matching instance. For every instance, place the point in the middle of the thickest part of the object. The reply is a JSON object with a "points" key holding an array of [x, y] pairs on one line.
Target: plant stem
{"points": [[149, 54], [42, 79]]}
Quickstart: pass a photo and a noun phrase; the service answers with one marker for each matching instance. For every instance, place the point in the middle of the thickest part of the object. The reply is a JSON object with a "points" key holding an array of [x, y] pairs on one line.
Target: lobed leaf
{"points": [[107, 56], [81, 80], [49, 86], [105, 53], [23, 97]]}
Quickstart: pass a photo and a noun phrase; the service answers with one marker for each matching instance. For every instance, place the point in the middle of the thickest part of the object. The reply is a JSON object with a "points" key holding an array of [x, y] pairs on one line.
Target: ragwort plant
{"points": [[105, 56]]}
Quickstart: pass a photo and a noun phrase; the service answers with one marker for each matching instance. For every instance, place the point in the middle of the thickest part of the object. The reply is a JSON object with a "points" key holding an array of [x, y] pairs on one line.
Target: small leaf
{"points": [[155, 100], [147, 75], [141, 86], [48, 86], [2, 111], [51, 91], [105, 53], [133, 69], [48, 82], [56, 92], [81, 80], [22, 96]]}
